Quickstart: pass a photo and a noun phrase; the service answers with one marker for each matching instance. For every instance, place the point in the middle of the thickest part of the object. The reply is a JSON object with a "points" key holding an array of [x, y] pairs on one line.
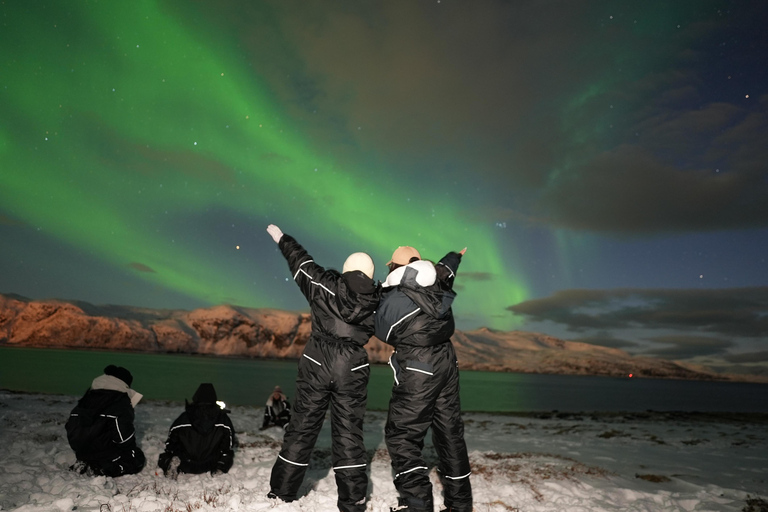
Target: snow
{"points": [[534, 462]]}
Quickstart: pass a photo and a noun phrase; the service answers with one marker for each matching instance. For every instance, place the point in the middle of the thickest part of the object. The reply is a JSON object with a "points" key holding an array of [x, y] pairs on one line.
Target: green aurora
{"points": [[120, 124]]}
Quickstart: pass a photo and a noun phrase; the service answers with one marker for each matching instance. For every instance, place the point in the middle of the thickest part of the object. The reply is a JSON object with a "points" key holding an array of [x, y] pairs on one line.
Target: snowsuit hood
{"points": [[432, 300], [203, 416], [204, 411], [417, 315], [356, 297]]}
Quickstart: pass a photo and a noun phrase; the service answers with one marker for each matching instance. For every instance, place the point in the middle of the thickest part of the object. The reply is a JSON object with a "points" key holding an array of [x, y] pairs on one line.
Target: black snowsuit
{"points": [[100, 431], [418, 322], [333, 370], [203, 438]]}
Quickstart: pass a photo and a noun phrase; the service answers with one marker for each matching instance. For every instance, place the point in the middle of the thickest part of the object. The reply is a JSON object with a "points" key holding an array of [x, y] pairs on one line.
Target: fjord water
{"points": [[175, 377]]}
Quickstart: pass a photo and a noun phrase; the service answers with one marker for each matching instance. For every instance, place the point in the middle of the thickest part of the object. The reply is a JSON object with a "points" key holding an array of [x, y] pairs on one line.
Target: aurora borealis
{"points": [[145, 146]]}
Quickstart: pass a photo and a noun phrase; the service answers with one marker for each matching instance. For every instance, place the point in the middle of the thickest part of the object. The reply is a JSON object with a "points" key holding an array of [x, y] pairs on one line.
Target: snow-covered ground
{"points": [[535, 462]]}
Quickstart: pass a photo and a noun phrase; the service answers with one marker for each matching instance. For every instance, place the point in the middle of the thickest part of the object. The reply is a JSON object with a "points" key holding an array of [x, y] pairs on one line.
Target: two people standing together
{"points": [[412, 312]]}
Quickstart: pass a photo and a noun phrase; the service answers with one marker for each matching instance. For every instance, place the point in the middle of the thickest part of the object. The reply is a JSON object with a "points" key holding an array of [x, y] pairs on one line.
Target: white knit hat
{"points": [[359, 261]]}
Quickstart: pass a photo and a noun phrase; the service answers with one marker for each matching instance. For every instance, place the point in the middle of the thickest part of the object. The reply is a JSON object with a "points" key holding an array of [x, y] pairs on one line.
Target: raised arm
{"points": [[303, 268], [448, 266]]}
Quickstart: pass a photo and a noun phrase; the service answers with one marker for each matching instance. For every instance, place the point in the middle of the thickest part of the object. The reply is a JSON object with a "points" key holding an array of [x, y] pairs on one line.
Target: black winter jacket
{"points": [[101, 425], [203, 437], [421, 316], [348, 315]]}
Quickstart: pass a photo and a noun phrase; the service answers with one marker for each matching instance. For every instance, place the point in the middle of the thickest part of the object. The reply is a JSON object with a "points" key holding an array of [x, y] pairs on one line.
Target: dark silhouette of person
{"points": [[202, 439], [100, 428]]}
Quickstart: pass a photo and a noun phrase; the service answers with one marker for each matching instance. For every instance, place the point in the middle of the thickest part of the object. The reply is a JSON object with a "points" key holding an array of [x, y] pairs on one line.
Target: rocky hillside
{"points": [[243, 332]]}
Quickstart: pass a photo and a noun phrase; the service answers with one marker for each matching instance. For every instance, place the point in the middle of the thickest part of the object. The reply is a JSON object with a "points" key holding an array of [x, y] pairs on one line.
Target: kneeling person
{"points": [[201, 439], [100, 428]]}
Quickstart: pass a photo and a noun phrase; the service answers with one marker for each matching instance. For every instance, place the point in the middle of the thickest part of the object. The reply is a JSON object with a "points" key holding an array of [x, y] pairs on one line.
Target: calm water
{"points": [[249, 382]]}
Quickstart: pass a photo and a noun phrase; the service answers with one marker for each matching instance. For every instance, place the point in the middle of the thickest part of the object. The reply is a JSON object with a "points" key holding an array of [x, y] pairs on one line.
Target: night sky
{"points": [[605, 163]]}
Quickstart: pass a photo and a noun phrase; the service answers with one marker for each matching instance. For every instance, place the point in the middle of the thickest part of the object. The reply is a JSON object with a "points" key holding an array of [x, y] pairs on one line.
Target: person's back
{"points": [[333, 373], [100, 428], [415, 317], [89, 428], [201, 439], [415, 309], [341, 304]]}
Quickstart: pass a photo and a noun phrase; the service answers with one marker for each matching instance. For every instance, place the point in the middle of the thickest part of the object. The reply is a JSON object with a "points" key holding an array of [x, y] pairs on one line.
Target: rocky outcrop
{"points": [[267, 333], [222, 330]]}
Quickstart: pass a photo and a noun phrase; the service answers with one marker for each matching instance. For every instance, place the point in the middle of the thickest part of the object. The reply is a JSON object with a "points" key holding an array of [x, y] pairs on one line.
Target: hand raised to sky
{"points": [[275, 232]]}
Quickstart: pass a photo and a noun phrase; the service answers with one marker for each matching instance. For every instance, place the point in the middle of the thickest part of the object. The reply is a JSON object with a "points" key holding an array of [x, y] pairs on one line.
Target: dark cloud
{"points": [[733, 312], [593, 116], [686, 347], [605, 339], [749, 357], [643, 188], [114, 150], [657, 171], [9, 221], [141, 267]]}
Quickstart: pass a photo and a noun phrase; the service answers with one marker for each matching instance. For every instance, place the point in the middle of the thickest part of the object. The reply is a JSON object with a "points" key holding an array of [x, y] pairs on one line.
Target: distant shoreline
{"points": [[649, 416], [725, 378]]}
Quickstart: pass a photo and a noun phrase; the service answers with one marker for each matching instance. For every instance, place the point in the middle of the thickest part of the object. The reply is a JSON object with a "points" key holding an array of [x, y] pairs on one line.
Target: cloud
{"points": [[141, 267], [10, 221], [749, 357], [686, 347], [604, 339], [569, 117], [730, 312], [644, 188]]}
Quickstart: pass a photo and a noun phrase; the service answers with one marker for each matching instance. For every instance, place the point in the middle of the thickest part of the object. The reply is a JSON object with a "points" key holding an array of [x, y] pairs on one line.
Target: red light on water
{"points": [[631, 375]]}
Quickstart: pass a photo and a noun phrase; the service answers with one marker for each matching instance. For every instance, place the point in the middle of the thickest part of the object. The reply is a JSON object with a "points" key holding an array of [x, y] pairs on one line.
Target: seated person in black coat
{"points": [[100, 428], [277, 410], [201, 439]]}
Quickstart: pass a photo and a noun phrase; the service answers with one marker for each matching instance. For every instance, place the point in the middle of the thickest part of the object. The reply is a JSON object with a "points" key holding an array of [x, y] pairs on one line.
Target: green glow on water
{"points": [[248, 382]]}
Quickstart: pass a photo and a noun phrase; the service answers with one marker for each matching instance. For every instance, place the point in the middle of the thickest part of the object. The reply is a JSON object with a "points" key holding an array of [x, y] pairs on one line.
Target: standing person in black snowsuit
{"points": [[415, 317], [201, 439], [277, 410], [333, 371], [100, 428]]}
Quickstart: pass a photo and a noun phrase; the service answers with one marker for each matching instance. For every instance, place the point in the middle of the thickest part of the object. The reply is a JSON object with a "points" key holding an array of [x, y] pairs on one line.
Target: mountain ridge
{"points": [[227, 330]]}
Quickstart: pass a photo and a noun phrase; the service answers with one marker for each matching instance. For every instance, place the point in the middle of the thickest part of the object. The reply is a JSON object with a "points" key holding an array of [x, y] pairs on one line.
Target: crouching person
{"points": [[100, 428], [277, 410], [202, 438]]}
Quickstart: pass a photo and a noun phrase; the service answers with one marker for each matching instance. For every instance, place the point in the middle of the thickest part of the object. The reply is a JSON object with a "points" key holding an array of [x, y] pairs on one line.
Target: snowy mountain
{"points": [[244, 332]]}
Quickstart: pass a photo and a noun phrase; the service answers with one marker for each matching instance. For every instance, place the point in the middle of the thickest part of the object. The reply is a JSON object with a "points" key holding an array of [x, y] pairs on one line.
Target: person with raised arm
{"points": [[415, 317], [333, 372]]}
